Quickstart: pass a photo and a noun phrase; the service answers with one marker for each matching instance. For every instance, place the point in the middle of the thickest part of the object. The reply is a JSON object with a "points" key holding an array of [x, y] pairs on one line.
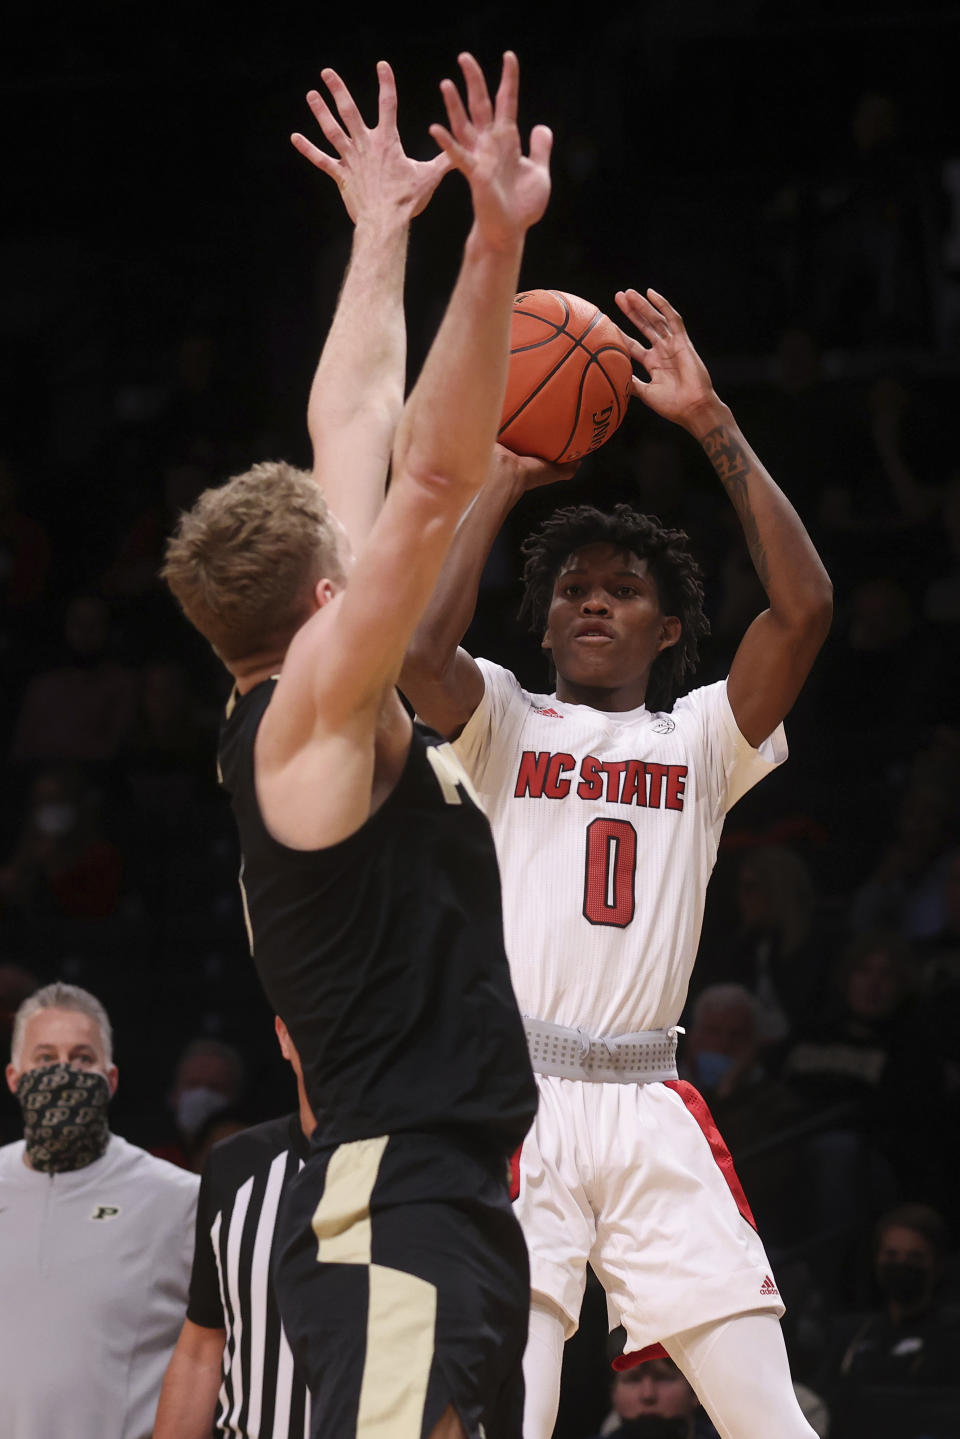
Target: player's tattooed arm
{"points": [[778, 650], [731, 462]]}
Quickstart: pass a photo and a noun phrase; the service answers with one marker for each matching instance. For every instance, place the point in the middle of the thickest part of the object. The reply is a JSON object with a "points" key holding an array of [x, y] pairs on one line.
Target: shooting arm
{"points": [[778, 650]]}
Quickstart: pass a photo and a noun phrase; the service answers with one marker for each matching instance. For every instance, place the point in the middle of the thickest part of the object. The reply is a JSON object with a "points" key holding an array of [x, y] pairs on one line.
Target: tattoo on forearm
{"points": [[732, 465]]}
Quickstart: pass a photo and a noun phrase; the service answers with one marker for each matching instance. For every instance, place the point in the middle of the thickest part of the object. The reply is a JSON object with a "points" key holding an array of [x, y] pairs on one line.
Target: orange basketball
{"points": [[569, 378]]}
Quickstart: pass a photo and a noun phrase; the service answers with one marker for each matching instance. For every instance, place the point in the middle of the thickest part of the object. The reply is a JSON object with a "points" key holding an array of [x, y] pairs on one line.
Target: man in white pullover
{"points": [[96, 1238]]}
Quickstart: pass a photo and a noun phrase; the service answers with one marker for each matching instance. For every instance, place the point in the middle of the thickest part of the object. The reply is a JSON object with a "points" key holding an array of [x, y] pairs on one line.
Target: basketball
{"points": [[569, 379]]}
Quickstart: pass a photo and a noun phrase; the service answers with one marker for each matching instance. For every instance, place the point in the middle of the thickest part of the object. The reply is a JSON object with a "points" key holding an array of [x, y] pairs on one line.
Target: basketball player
{"points": [[607, 801], [369, 871]]}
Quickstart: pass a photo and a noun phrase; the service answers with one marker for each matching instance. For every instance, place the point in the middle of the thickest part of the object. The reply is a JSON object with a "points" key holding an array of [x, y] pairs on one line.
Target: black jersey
{"points": [[384, 955], [230, 1288]]}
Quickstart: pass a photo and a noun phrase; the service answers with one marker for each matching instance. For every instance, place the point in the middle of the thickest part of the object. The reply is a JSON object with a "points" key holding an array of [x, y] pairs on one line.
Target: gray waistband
{"points": [[644, 1058]]}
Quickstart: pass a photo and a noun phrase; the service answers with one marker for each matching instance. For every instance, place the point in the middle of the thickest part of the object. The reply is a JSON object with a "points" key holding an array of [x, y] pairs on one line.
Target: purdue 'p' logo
{"points": [[106, 1211]]}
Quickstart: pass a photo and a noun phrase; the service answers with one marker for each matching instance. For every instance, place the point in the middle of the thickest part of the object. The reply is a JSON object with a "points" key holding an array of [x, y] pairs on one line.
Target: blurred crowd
{"points": [[824, 1023]]}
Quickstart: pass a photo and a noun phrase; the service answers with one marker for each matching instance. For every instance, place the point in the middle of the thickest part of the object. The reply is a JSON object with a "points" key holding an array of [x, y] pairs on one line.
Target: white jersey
{"points": [[606, 827]]}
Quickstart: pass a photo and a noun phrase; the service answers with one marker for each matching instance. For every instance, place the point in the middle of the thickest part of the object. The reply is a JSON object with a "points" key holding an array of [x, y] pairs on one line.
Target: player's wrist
{"points": [[496, 240], [706, 414], [381, 225]]}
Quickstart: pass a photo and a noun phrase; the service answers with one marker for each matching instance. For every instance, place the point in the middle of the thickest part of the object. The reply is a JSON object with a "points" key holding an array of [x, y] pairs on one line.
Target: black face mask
{"points": [[652, 1426], [64, 1116], [903, 1283]]}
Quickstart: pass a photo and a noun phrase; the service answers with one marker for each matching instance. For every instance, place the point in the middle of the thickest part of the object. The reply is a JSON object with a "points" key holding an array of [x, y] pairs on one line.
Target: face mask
{"points": [[55, 818], [195, 1106], [903, 1283], [64, 1116], [712, 1067]]}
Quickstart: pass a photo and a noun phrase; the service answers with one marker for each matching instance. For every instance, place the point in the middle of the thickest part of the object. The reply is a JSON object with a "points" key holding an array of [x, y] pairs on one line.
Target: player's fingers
{"points": [[478, 96], [647, 319], [454, 152], [456, 115], [387, 106], [325, 119], [323, 162], [541, 145], [635, 350], [345, 103], [665, 308], [505, 105], [436, 168]]}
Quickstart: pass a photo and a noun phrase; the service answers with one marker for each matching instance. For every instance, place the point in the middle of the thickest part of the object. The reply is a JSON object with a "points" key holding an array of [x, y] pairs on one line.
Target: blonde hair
{"points": [[244, 559]]}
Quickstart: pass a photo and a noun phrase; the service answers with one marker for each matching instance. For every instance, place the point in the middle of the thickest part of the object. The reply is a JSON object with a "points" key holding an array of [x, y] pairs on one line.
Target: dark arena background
{"points": [[788, 174]]}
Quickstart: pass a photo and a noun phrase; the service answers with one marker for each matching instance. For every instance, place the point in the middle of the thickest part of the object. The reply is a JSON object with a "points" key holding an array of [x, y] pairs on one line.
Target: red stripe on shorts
{"points": [[697, 1106], [515, 1173]]}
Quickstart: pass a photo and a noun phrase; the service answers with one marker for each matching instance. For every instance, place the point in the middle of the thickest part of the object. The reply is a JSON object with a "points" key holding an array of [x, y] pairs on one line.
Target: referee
{"points": [[231, 1372]]}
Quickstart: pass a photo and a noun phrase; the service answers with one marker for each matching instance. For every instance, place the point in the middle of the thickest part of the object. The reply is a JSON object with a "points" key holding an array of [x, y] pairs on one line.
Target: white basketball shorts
{"points": [[636, 1181]]}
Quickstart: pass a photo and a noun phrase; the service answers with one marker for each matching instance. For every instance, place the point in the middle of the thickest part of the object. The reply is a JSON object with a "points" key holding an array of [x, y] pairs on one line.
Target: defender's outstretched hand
{"points": [[374, 175], [679, 384], [509, 189]]}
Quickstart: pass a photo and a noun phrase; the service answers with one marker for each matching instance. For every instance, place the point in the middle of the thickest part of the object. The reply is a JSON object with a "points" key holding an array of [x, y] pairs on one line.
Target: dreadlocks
{"points": [[676, 572]]}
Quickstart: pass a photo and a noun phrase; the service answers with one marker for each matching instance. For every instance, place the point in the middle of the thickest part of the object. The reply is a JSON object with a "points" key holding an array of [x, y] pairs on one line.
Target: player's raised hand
{"points": [[509, 189], [679, 383], [376, 178]]}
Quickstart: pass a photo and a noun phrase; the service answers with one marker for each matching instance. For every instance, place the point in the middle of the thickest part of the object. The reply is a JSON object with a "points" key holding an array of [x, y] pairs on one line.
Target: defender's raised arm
{"points": [[448, 428], [357, 392]]}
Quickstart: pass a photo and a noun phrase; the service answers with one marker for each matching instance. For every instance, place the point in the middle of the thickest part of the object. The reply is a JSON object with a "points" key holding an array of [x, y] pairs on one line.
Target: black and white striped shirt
{"points": [[261, 1396]]}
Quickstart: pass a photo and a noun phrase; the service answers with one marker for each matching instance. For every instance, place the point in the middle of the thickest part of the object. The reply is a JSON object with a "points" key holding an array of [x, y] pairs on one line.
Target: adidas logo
{"points": [[768, 1286], [551, 714]]}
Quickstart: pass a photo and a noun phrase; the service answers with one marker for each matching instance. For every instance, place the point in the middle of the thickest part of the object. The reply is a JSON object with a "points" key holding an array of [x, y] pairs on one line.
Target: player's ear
{"points": [[12, 1075], [323, 592], [670, 631], [546, 643], [113, 1079], [283, 1037]]}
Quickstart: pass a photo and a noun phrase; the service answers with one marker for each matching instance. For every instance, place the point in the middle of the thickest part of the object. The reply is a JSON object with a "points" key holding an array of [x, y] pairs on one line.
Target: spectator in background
{"points": [[939, 952], [25, 550], [910, 1339], [655, 1401], [867, 1068], [95, 1242], [776, 951], [62, 866], [906, 889], [876, 233], [232, 1372], [81, 709], [168, 759], [208, 1084], [721, 1057]]}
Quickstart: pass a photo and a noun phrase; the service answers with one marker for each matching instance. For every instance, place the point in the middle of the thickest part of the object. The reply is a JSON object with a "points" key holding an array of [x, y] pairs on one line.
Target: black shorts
{"points": [[402, 1280]]}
